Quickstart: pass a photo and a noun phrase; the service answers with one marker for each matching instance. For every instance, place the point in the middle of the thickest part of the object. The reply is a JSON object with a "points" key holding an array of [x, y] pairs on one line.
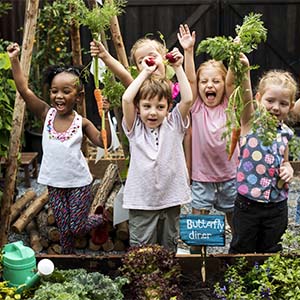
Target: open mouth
{"points": [[60, 105], [210, 96]]}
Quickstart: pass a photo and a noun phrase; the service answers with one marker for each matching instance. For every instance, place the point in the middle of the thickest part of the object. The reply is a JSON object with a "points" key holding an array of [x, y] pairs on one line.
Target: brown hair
{"points": [[155, 87], [280, 78], [160, 47], [213, 63]]}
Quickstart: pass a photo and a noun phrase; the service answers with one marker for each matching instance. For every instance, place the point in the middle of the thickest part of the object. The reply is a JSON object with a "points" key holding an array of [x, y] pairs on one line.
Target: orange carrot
{"points": [[234, 139], [104, 139], [99, 101]]}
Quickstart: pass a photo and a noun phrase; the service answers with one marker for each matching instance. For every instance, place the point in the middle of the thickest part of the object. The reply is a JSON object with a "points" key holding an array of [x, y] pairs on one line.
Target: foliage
{"points": [[250, 34], [7, 97], [5, 7], [7, 292], [78, 284], [98, 19], [277, 278], [113, 90], [153, 273]]}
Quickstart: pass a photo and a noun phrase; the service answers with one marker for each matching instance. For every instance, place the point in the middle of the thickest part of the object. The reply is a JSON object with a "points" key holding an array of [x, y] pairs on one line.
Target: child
{"points": [[157, 182], [261, 212], [63, 168], [143, 47], [213, 175]]}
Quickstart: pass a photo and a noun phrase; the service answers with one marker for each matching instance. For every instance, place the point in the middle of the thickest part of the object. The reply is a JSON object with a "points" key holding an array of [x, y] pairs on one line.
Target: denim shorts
{"points": [[218, 195]]}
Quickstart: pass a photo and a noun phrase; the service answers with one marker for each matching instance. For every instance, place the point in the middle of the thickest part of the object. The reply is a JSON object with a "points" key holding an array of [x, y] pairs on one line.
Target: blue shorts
{"points": [[218, 195]]}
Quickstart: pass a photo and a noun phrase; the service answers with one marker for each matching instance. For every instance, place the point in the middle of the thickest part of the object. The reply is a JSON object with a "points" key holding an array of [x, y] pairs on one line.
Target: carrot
{"points": [[99, 100], [234, 139], [104, 139]]}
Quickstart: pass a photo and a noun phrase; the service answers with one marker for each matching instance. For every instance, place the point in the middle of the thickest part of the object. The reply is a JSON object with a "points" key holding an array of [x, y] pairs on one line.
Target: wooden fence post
{"points": [[18, 120]]}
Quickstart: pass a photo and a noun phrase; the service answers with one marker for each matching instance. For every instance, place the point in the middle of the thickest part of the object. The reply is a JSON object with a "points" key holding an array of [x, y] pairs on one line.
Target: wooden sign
{"points": [[208, 230]]}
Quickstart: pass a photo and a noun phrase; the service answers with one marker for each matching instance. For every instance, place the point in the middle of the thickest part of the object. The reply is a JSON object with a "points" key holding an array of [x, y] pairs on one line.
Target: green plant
{"points": [[5, 7], [78, 284], [277, 278], [153, 273], [7, 97]]}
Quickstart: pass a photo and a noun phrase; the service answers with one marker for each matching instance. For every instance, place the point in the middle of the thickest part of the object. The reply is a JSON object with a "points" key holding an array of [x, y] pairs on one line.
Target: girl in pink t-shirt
{"points": [[213, 175]]}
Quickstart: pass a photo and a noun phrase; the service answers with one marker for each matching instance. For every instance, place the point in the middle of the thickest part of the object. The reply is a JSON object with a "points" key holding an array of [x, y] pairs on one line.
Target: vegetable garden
{"points": [[52, 35]]}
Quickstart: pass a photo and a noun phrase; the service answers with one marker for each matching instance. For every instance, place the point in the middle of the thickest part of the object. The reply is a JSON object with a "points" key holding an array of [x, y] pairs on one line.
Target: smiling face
{"points": [[211, 85], [276, 100], [64, 92], [153, 111]]}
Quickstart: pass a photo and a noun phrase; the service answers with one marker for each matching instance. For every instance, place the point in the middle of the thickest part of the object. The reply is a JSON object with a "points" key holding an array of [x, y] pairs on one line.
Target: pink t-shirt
{"points": [[209, 157], [157, 176]]}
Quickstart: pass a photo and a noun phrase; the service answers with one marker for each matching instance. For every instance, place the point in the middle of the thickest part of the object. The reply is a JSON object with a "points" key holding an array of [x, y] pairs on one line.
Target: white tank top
{"points": [[63, 164]]}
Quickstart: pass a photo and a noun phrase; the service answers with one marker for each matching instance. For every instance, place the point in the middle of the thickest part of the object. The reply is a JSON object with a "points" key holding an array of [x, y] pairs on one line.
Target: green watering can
{"points": [[19, 266]]}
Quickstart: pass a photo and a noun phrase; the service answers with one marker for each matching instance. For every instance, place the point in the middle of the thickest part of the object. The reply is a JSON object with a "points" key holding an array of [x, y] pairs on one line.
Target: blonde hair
{"points": [[213, 63], [158, 46], [280, 78], [155, 87]]}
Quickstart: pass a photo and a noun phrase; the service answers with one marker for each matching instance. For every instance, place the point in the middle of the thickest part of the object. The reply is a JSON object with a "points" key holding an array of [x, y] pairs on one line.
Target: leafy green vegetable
{"points": [[153, 272], [78, 284]]}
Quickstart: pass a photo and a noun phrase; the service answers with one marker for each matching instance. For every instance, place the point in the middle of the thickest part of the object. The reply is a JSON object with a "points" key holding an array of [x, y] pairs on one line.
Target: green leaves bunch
{"points": [[277, 278], [98, 19], [153, 273], [78, 284]]}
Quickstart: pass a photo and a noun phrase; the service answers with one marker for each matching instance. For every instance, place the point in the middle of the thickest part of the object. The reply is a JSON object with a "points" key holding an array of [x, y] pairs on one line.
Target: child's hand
{"points": [[106, 105], [149, 64], [175, 58], [286, 172], [244, 60], [185, 38], [13, 50], [97, 49]]}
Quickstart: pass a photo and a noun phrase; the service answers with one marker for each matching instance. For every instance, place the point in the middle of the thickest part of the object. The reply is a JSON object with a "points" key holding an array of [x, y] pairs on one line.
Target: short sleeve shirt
{"points": [[157, 176]]}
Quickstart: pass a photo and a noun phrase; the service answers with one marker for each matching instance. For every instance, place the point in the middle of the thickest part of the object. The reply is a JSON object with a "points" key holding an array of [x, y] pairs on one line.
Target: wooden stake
{"points": [[18, 120]]}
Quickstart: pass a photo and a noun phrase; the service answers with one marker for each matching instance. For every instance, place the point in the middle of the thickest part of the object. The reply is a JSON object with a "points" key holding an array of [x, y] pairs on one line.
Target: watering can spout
{"points": [[45, 267], [29, 283]]}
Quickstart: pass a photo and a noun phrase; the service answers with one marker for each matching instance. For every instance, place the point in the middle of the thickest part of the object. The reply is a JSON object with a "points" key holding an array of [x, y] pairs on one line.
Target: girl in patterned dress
{"points": [[63, 168], [261, 213]]}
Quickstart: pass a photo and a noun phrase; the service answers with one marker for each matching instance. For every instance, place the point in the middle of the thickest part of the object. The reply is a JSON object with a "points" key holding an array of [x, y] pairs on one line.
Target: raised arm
{"points": [[185, 89], [187, 42], [129, 109], [247, 97], [98, 50], [33, 103]]}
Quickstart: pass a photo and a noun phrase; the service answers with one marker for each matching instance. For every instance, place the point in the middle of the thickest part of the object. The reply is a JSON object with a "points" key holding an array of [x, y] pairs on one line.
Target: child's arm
{"points": [[98, 50], [33, 103], [187, 42], [129, 109], [296, 108], [247, 98], [93, 133], [185, 89]]}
